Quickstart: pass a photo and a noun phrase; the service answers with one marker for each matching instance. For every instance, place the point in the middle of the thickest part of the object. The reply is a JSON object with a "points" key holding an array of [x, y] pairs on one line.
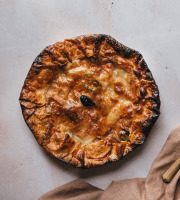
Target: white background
{"points": [[26, 28]]}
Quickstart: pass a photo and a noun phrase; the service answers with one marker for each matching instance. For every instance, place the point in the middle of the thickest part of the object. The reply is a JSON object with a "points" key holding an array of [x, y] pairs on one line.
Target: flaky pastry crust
{"points": [[116, 78]]}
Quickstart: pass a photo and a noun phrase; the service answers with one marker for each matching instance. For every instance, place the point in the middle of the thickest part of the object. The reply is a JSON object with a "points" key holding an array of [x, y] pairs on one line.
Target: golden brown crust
{"points": [[117, 80]]}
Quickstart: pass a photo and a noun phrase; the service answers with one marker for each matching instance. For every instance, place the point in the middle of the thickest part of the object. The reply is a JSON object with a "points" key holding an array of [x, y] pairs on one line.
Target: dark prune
{"points": [[86, 101]]}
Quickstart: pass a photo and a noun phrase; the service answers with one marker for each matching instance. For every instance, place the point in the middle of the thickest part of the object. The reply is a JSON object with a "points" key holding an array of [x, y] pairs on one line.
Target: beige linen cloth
{"points": [[150, 188]]}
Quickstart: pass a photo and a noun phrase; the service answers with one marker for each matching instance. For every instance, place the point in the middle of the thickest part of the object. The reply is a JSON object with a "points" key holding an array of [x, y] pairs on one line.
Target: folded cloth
{"points": [[150, 188]]}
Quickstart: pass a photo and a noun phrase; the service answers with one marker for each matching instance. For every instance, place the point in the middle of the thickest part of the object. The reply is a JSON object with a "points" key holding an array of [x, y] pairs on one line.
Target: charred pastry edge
{"points": [[123, 51]]}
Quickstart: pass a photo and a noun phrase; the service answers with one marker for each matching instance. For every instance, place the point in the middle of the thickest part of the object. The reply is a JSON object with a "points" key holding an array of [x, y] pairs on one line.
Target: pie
{"points": [[89, 100]]}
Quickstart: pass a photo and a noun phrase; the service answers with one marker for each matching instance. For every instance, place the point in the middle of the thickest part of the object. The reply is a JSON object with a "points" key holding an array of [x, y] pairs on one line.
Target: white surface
{"points": [[26, 28]]}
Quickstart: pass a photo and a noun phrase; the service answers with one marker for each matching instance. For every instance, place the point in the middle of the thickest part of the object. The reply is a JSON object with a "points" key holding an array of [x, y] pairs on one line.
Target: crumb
{"points": [[112, 3], [166, 67]]}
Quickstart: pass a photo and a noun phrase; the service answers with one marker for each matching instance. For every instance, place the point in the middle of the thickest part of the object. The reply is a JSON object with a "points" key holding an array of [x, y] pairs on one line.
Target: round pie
{"points": [[89, 100]]}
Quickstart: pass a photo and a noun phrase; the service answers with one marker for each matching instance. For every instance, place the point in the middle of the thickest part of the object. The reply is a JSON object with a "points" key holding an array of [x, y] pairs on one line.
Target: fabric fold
{"points": [[76, 190]]}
